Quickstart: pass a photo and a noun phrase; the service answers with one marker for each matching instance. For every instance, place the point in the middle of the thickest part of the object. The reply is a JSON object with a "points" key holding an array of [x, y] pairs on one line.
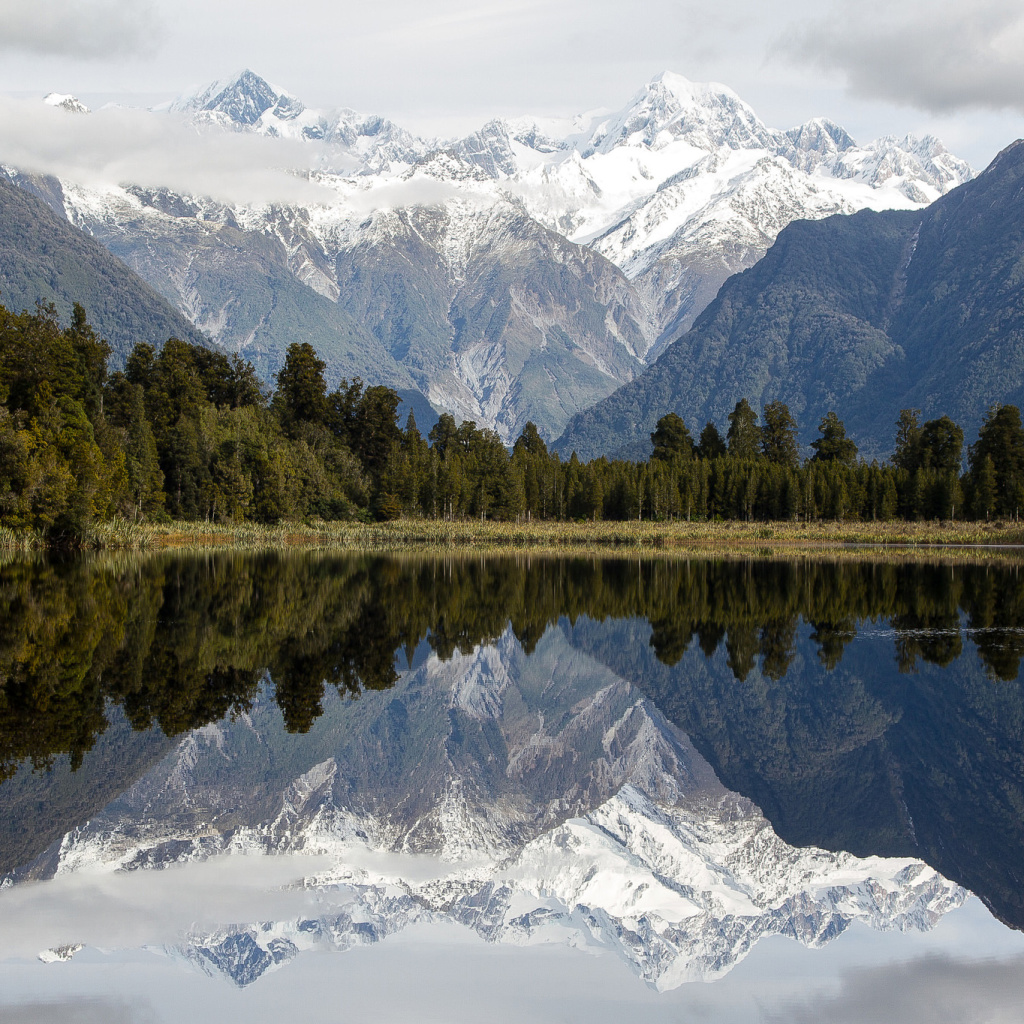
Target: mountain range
{"points": [[523, 272], [865, 314]]}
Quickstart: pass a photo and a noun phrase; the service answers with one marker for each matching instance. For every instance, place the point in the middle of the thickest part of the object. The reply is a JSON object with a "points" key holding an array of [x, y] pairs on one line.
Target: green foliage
{"points": [[1000, 442], [744, 435], [779, 436], [301, 389], [711, 445], [833, 445], [187, 433], [671, 439]]}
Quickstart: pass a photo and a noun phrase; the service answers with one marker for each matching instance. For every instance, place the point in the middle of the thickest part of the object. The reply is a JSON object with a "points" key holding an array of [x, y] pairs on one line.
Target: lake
{"points": [[256, 787]]}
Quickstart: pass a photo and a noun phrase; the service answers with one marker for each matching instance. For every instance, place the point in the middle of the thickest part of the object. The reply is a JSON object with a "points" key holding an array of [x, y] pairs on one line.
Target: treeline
{"points": [[190, 433]]}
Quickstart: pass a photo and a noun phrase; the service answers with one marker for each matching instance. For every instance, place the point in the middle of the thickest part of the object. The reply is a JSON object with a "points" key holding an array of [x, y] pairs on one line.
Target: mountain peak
{"points": [[687, 91], [244, 98], [708, 115], [66, 101]]}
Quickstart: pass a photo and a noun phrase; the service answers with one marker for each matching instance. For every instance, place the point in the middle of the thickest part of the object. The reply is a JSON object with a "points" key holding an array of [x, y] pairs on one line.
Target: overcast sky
{"points": [[953, 68]]}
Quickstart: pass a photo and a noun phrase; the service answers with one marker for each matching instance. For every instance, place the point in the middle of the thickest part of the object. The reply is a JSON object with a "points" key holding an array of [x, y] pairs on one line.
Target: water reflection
{"points": [[554, 750], [531, 798], [180, 643]]}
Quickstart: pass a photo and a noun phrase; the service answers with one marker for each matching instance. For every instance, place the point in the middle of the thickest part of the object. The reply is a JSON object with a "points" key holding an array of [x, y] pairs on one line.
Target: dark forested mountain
{"points": [[43, 257], [864, 314]]}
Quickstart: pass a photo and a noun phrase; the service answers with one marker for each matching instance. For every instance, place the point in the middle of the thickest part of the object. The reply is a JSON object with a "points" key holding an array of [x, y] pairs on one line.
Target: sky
{"points": [[955, 69]]}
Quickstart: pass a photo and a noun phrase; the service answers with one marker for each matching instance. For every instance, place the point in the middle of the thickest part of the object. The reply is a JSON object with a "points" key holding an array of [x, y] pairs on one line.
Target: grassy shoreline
{"points": [[599, 537]]}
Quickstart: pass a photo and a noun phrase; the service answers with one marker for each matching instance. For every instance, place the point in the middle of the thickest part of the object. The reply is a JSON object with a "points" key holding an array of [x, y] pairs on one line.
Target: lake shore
{"points": [[587, 537]]}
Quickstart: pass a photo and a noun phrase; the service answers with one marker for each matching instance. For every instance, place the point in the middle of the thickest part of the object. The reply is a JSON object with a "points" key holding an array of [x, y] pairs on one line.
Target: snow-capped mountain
{"points": [[532, 799], [246, 102], [72, 104], [522, 272]]}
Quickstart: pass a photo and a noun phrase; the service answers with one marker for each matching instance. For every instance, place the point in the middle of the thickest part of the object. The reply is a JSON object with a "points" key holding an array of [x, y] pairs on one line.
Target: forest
{"points": [[190, 433]]}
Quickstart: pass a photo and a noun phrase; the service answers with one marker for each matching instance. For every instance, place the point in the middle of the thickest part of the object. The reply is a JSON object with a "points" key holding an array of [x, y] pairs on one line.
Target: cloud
{"points": [[96, 29], [131, 909], [931, 990], [122, 146], [937, 57], [77, 1011]]}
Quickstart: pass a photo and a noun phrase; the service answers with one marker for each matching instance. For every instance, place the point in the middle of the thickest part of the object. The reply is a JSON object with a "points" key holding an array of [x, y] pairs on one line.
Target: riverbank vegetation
{"points": [[186, 446]]}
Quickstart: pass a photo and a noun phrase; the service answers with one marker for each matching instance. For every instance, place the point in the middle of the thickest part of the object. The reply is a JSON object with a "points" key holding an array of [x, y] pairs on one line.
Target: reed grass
{"points": [[417, 534], [20, 540], [430, 535]]}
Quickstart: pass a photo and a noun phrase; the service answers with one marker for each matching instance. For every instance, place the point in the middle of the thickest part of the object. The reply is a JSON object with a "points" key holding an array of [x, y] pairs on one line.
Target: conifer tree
{"points": [[671, 439], [1001, 439], [744, 435], [301, 389], [906, 449], [711, 445], [778, 436], [834, 445]]}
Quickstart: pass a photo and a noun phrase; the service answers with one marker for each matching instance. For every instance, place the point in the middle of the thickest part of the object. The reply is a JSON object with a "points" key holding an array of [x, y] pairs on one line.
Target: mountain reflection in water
{"points": [[581, 748]]}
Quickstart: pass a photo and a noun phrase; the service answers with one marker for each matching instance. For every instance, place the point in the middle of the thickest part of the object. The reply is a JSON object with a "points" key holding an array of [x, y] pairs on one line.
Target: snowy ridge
{"points": [[676, 191], [680, 897], [549, 803], [72, 104]]}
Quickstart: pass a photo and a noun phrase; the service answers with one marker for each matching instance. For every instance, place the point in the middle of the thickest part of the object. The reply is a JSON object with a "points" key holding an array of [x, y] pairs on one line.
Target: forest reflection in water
{"points": [[920, 753]]}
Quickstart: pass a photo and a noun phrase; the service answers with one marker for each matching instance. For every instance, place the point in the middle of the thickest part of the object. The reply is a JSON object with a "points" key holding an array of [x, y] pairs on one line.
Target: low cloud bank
{"points": [[936, 989], [122, 146]]}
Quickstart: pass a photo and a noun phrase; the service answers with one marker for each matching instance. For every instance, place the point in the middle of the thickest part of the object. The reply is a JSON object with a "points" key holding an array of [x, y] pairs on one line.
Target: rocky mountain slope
{"points": [[530, 798], [865, 315], [42, 257], [522, 272]]}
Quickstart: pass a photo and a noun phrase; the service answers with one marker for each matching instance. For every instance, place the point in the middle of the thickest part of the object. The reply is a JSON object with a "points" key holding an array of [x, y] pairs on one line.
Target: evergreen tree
{"points": [[671, 439], [779, 436], [985, 492], [1001, 440], [443, 435], [145, 478], [744, 435], [907, 447], [711, 445], [530, 442], [834, 445], [301, 390], [941, 445]]}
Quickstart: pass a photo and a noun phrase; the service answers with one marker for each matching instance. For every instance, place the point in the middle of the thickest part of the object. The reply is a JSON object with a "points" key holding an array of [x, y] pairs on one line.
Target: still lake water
{"points": [[255, 788]]}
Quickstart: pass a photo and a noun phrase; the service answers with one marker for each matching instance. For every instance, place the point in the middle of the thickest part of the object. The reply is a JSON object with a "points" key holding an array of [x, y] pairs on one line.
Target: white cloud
{"points": [[936, 989], [935, 56], [134, 146], [78, 1011], [97, 29], [415, 191], [131, 909]]}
